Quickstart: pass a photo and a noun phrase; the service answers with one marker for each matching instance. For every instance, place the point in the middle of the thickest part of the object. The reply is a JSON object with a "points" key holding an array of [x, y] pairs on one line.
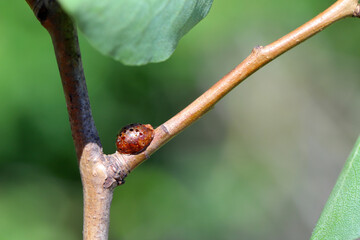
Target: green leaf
{"points": [[340, 218], [136, 32]]}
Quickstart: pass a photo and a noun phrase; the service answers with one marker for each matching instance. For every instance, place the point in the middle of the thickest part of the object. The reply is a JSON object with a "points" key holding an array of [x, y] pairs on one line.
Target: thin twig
{"points": [[259, 57]]}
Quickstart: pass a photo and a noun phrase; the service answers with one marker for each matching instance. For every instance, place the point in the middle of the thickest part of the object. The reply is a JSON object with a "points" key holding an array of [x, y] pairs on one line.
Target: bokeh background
{"points": [[260, 165]]}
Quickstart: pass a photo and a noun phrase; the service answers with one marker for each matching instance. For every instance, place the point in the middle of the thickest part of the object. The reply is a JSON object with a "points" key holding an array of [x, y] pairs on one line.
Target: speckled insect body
{"points": [[134, 138]]}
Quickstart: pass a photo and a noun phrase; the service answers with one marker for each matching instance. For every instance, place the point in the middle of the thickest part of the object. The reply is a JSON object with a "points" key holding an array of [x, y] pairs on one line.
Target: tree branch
{"points": [[259, 57], [95, 167], [65, 40]]}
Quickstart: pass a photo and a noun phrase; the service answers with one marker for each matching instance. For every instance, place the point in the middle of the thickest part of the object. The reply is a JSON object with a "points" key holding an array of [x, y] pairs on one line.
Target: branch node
{"points": [[164, 128], [117, 170], [257, 49], [357, 11]]}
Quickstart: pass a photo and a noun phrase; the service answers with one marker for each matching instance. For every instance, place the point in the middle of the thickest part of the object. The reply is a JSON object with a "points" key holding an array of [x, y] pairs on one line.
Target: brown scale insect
{"points": [[134, 138]]}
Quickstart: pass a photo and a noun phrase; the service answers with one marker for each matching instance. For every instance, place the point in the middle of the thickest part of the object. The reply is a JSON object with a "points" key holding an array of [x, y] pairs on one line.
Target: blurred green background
{"points": [[259, 166]]}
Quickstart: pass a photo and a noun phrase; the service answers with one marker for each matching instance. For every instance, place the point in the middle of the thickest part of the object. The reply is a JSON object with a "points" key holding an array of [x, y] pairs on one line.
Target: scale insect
{"points": [[134, 138]]}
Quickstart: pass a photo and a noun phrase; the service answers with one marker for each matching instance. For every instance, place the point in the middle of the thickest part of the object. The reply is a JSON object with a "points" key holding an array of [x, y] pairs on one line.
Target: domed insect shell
{"points": [[134, 138]]}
